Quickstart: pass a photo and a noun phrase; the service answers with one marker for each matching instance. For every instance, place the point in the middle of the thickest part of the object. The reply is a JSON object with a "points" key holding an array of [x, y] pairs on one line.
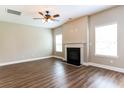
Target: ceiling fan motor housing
{"points": [[47, 12], [47, 15]]}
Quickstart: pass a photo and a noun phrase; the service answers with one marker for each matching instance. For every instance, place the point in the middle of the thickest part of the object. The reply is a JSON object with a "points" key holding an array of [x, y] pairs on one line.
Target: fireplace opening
{"points": [[73, 56]]}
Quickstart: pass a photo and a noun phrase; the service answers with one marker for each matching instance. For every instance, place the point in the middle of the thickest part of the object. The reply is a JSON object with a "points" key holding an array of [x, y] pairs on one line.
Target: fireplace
{"points": [[73, 56], [74, 53]]}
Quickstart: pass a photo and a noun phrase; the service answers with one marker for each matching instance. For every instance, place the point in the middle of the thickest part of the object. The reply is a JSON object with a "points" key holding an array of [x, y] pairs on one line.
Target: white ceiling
{"points": [[65, 11]]}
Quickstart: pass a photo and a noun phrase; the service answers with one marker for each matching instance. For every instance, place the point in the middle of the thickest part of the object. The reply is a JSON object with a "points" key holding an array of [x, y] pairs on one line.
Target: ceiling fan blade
{"points": [[55, 20], [57, 15], [41, 13]]}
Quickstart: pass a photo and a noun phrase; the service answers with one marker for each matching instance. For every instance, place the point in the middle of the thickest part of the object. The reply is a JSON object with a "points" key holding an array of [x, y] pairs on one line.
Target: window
{"points": [[106, 40], [59, 43]]}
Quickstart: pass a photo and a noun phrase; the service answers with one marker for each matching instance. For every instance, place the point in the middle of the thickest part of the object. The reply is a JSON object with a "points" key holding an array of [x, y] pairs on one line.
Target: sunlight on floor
{"points": [[106, 82]]}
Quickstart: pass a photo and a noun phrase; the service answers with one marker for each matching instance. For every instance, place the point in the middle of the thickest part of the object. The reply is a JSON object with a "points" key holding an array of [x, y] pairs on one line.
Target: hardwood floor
{"points": [[54, 73]]}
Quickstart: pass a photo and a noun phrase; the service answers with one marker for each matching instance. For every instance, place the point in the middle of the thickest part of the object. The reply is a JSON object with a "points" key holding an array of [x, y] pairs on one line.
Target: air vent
{"points": [[13, 12]]}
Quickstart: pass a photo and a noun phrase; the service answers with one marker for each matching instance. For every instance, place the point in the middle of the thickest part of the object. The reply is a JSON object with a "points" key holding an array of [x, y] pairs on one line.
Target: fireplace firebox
{"points": [[73, 56]]}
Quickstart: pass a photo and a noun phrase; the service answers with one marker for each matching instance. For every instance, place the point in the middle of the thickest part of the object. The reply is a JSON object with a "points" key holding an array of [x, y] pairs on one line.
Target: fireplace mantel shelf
{"points": [[74, 45]]}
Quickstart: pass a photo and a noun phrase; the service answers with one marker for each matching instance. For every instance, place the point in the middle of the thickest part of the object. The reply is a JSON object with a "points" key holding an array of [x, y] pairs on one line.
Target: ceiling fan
{"points": [[47, 16]]}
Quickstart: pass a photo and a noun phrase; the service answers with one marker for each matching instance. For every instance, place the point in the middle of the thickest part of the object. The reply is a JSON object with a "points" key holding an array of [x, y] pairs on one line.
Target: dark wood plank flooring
{"points": [[50, 73]]}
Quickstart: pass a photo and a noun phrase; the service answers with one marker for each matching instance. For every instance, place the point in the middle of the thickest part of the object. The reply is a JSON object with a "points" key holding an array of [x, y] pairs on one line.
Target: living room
{"points": [[51, 46]]}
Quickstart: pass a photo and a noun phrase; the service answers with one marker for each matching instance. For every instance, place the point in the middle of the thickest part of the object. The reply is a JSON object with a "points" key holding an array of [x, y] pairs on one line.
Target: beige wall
{"points": [[20, 42], [104, 18], [75, 31]]}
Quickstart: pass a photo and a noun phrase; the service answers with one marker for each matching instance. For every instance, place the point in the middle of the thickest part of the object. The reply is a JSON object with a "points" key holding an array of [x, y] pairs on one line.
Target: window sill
{"points": [[58, 51], [106, 56]]}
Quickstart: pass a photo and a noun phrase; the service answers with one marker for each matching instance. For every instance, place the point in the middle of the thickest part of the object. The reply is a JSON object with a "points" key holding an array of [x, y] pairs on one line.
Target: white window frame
{"points": [[57, 44], [106, 55]]}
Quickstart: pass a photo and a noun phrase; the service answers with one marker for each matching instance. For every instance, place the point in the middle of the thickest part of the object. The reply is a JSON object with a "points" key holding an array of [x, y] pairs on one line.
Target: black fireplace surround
{"points": [[73, 56]]}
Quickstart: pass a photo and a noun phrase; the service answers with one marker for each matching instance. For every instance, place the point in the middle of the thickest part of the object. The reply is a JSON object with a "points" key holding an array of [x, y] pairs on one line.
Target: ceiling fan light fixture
{"points": [[47, 17], [47, 21]]}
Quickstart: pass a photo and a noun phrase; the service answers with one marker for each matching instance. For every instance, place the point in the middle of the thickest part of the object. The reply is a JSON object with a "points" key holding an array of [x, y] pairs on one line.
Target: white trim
{"points": [[85, 63], [98, 55], [22, 61], [76, 45], [105, 66], [59, 57]]}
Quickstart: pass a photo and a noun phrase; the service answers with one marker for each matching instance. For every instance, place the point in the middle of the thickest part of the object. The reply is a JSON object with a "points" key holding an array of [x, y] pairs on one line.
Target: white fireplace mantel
{"points": [[75, 45]]}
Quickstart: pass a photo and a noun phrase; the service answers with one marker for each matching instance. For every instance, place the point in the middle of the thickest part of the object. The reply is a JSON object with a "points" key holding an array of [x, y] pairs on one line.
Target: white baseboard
{"points": [[28, 60], [105, 66], [85, 63], [22, 61], [59, 57]]}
